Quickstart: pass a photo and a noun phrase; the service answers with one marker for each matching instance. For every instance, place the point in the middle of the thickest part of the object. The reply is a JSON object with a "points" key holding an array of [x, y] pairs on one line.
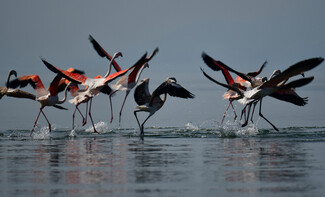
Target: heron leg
{"points": [[91, 118], [110, 101], [127, 93], [260, 113]]}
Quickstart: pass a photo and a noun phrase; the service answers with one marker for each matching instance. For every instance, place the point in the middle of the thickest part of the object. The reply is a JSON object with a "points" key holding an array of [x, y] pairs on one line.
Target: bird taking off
{"points": [[152, 102]]}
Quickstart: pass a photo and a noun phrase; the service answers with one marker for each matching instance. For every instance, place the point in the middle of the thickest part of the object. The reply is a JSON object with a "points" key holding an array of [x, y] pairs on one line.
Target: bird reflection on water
{"points": [[119, 163]]}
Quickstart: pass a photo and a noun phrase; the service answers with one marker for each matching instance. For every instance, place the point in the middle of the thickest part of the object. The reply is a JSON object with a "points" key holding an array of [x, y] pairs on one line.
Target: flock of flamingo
{"points": [[248, 89]]}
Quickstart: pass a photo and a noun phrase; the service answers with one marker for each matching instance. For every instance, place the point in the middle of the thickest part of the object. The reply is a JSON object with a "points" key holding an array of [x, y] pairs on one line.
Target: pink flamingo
{"points": [[240, 82], [94, 85]]}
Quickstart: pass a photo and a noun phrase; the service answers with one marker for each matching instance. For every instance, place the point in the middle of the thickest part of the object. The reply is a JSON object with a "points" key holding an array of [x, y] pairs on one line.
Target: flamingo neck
{"points": [[65, 94], [110, 66], [11, 72], [139, 73]]}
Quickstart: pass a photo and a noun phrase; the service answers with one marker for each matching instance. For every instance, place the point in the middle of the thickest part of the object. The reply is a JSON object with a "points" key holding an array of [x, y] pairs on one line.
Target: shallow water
{"points": [[194, 160]]}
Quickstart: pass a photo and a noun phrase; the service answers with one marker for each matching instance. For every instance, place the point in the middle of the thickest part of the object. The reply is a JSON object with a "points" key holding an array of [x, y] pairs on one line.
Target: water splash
{"points": [[42, 133], [101, 127], [73, 133], [191, 126], [234, 129]]}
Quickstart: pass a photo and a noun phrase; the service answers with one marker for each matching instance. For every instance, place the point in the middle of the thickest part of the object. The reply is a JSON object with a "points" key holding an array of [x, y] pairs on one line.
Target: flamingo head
{"points": [[118, 54], [12, 72], [146, 65], [275, 73], [171, 79]]}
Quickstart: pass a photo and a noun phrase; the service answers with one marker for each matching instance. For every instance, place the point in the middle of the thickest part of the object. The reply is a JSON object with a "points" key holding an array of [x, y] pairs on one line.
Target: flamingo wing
{"points": [[173, 89], [221, 84], [74, 77], [33, 80], [290, 96], [113, 76], [296, 69], [217, 66], [101, 52], [141, 92], [212, 64], [20, 94], [254, 74]]}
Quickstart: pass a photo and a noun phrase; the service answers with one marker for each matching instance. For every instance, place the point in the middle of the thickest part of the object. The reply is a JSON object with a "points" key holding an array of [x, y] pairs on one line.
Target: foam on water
{"points": [[101, 127], [42, 133]]}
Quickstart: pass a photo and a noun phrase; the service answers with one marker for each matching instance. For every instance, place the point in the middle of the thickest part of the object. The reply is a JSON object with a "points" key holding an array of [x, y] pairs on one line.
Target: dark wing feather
{"points": [[221, 84], [294, 70], [20, 94], [141, 92], [60, 107], [290, 97], [298, 83], [173, 89], [211, 63], [254, 74], [101, 52], [106, 90]]}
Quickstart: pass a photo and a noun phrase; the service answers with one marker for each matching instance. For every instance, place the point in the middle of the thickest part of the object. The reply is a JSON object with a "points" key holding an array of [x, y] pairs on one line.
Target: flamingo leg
{"points": [[92, 121], [135, 114], [246, 120], [110, 101], [31, 132], [253, 110], [142, 126], [260, 113], [224, 114], [46, 120], [234, 110], [73, 115], [85, 122], [127, 93], [243, 112]]}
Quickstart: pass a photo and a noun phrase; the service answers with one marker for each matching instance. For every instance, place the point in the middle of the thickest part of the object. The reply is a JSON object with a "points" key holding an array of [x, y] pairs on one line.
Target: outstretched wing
{"points": [[74, 77], [173, 89], [20, 94], [209, 61], [141, 92], [296, 69], [254, 74], [217, 66], [33, 80], [101, 52], [221, 84]]}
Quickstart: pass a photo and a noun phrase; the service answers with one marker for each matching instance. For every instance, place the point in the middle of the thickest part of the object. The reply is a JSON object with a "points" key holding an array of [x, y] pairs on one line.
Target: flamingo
{"points": [[15, 92], [127, 83], [152, 103], [101, 52], [276, 84], [46, 98], [240, 82], [94, 85]]}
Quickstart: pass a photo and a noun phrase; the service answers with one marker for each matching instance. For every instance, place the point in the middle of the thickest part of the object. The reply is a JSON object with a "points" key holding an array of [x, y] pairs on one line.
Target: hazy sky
{"points": [[243, 34]]}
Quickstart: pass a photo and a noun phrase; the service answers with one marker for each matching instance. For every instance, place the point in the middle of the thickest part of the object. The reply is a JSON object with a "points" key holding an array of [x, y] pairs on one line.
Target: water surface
{"points": [[170, 161]]}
